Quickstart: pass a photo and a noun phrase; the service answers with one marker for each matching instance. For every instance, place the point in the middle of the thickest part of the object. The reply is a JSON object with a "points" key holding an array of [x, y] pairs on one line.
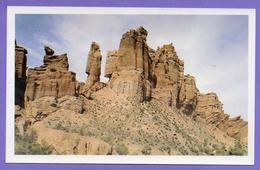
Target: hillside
{"points": [[148, 106]]}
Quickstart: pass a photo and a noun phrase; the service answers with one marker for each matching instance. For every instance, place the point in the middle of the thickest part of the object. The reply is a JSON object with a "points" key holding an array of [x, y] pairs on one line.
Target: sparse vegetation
{"points": [[237, 149], [166, 134], [122, 149], [146, 150], [27, 145]]}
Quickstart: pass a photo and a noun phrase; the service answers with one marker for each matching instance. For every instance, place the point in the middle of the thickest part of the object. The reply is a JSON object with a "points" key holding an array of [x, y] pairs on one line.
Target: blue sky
{"points": [[214, 48]]}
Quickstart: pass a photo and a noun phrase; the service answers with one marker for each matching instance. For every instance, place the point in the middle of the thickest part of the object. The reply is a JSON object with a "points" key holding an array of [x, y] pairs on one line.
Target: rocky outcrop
{"points": [[111, 63], [93, 68], [210, 110], [20, 74], [71, 143], [136, 73], [187, 99], [51, 79], [128, 67], [166, 74]]}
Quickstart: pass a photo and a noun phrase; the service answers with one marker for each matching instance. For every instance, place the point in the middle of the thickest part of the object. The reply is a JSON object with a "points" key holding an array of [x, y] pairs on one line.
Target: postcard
{"points": [[128, 85]]}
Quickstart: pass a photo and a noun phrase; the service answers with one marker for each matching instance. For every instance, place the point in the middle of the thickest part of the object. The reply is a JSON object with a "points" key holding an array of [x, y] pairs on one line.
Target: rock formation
{"points": [[147, 100], [187, 99], [20, 74], [167, 74], [111, 63], [93, 68], [210, 110], [50, 79], [128, 67], [139, 72]]}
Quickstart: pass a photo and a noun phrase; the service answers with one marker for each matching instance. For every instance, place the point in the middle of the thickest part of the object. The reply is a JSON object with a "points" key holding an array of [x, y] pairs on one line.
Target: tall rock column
{"points": [[128, 67], [20, 74], [93, 68]]}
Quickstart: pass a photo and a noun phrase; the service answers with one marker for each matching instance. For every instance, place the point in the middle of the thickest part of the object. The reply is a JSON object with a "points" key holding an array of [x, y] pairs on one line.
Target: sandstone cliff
{"points": [[20, 74], [148, 100], [50, 79]]}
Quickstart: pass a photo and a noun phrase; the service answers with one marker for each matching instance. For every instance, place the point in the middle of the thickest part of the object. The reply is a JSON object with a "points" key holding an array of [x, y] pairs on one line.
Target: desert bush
{"points": [[107, 139], [122, 149], [193, 149], [183, 151], [237, 149], [166, 149], [27, 145], [146, 150], [219, 149]]}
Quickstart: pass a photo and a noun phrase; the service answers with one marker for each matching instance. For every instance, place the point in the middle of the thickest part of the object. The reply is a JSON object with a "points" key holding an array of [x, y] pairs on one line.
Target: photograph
{"points": [[134, 84]]}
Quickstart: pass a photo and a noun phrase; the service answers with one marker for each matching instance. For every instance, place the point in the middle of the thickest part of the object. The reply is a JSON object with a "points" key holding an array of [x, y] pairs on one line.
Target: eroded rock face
{"points": [[128, 67], [111, 63], [210, 110], [51, 79], [93, 68], [129, 84], [166, 74], [187, 99], [208, 106], [133, 51], [136, 72], [20, 74], [71, 143]]}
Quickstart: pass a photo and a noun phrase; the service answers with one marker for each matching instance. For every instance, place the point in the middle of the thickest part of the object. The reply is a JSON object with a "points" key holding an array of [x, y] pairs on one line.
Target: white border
{"points": [[216, 160]]}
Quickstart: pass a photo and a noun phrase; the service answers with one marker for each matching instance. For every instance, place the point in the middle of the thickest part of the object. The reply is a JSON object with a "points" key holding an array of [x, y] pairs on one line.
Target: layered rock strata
{"points": [[140, 72], [128, 67], [93, 68], [136, 72], [20, 74], [51, 79], [210, 110]]}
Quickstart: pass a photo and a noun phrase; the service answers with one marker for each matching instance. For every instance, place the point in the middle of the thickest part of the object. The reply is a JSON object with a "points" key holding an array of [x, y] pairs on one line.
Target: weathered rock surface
{"points": [[166, 74], [210, 110], [48, 104], [93, 68], [128, 67], [71, 143], [111, 63], [147, 101], [51, 79], [188, 95], [20, 74]]}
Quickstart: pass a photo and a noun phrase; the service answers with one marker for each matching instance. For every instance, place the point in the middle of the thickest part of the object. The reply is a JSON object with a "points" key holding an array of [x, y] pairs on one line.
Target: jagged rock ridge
{"points": [[137, 74], [50, 79]]}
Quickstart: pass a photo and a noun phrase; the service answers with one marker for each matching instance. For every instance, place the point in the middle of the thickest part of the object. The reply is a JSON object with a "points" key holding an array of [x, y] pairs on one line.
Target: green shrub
{"points": [[146, 150], [165, 149], [237, 149], [122, 149], [221, 150], [27, 145]]}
